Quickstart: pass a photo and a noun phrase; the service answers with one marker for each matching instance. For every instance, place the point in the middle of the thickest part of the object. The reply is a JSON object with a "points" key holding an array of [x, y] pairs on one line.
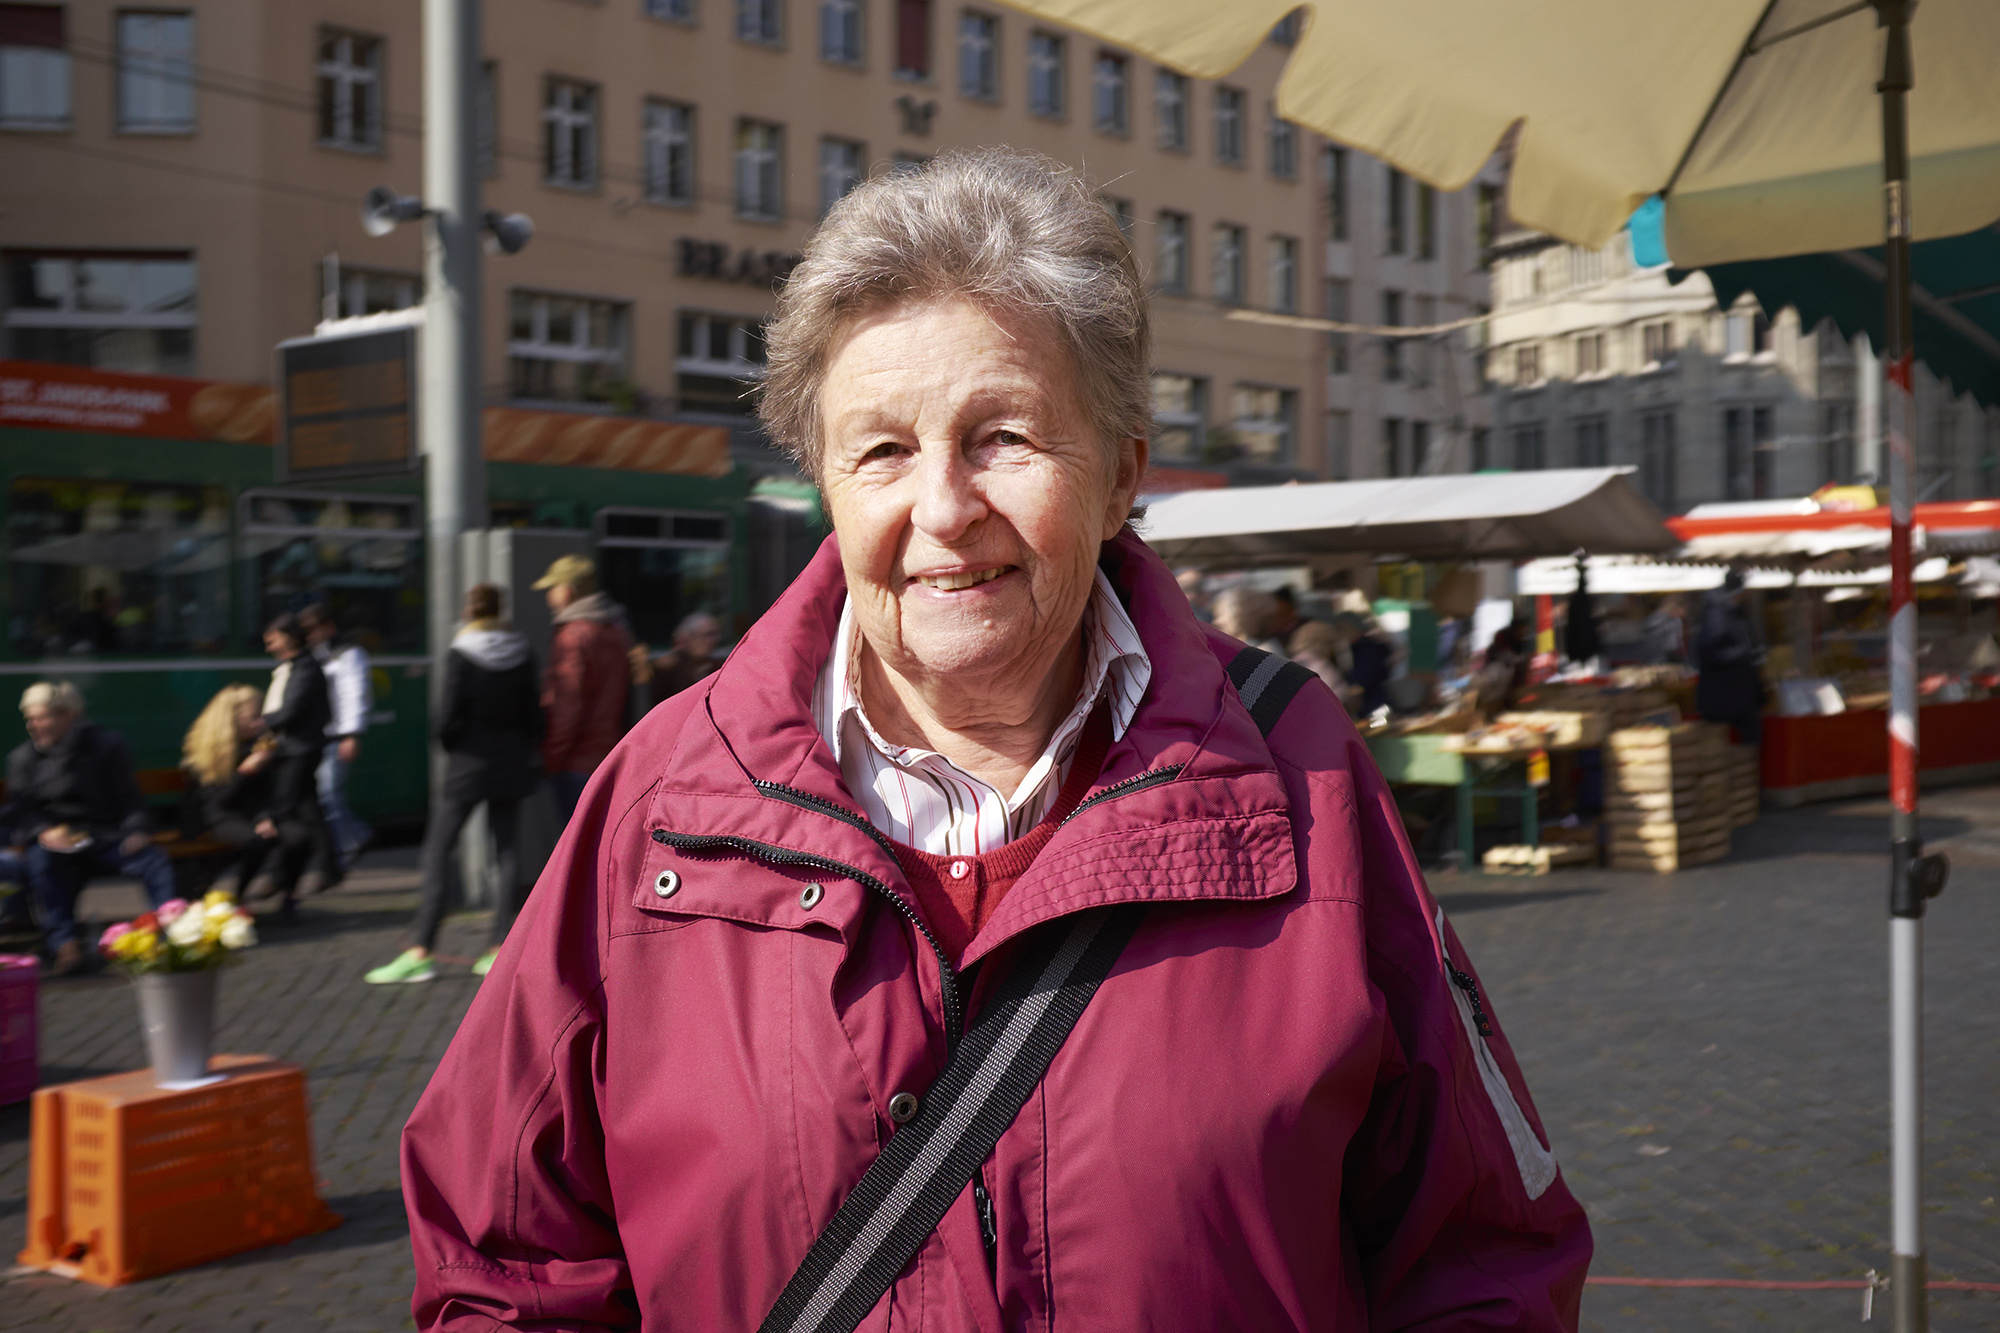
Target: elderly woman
{"points": [[988, 944]]}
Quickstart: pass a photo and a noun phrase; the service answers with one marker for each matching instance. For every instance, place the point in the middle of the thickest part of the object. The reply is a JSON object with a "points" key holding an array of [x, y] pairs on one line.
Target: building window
{"points": [[720, 364], [839, 171], [155, 73], [1180, 417], [1837, 443], [34, 68], [1285, 32], [1530, 453], [1589, 355], [761, 21], [1338, 293], [1048, 76], [907, 161], [1593, 441], [1264, 423], [567, 349], [1121, 213], [1486, 221], [1284, 146], [1229, 126], [669, 148], [840, 28], [1170, 109], [569, 134], [1284, 275], [346, 293], [350, 90], [1392, 347], [1420, 448], [1656, 457], [1392, 446], [1339, 446], [1229, 264], [913, 39], [978, 56], [1111, 94], [1333, 166], [1657, 341], [1527, 365], [1746, 333], [1427, 232], [1749, 453], [674, 11], [1482, 449], [760, 170], [101, 566], [1395, 212], [1173, 254], [111, 310], [486, 127]]}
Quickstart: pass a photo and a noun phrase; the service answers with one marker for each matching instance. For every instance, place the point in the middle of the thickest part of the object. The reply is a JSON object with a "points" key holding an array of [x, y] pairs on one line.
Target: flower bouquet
{"points": [[172, 955]]}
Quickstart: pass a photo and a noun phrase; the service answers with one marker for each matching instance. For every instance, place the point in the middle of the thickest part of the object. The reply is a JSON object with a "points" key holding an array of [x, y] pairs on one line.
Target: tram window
{"points": [[117, 567], [663, 565], [360, 554]]}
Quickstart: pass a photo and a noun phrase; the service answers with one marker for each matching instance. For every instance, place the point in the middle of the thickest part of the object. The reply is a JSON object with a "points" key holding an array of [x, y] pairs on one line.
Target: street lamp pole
{"points": [[449, 359]]}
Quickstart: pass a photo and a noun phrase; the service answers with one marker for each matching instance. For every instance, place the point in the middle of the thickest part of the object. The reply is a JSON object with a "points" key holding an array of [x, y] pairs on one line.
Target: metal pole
{"points": [[1907, 1276], [449, 359]]}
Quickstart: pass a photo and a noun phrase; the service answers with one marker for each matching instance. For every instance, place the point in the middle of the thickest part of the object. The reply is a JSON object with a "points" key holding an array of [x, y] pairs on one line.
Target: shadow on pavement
{"points": [[1830, 833], [1463, 900]]}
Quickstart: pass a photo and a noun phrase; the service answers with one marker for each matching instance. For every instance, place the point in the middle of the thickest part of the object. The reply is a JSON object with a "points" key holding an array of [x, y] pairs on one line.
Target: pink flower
{"points": [[170, 909], [112, 934]]}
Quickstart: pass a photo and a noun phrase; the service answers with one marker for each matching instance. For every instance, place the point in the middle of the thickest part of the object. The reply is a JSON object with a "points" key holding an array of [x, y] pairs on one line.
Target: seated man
{"points": [[78, 807]]}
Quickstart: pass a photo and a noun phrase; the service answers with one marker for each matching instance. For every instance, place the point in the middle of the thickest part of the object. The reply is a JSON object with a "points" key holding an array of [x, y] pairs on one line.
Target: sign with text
{"points": [[44, 395], [350, 405]]}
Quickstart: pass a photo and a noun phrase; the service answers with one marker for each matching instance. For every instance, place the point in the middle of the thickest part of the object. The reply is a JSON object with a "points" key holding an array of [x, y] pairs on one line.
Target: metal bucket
{"points": [[178, 1010]]}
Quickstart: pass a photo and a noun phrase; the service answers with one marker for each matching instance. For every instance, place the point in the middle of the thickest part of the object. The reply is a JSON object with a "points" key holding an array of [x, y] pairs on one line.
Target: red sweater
{"points": [[959, 894]]}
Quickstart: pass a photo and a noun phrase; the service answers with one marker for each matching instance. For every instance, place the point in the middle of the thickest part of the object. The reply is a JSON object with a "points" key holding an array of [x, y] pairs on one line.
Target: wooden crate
{"points": [[1667, 796], [1525, 860], [129, 1181]]}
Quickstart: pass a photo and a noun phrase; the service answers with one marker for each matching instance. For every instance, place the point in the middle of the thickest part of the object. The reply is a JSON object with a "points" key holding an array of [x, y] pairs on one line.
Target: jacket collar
{"points": [[1205, 815]]}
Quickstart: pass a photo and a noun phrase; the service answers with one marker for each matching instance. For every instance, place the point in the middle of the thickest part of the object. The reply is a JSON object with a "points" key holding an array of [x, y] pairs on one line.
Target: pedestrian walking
{"points": [[1055, 960], [491, 727], [296, 713], [588, 683], [1728, 654], [77, 805], [351, 695], [692, 658]]}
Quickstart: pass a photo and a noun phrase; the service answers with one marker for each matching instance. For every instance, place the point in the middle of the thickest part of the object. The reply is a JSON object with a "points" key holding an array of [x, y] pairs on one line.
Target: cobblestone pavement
{"points": [[1734, 1017]]}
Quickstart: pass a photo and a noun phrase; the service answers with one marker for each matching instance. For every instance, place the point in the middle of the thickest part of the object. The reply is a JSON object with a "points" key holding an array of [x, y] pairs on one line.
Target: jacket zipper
{"points": [[1150, 778], [948, 987], [989, 1225], [1465, 983]]}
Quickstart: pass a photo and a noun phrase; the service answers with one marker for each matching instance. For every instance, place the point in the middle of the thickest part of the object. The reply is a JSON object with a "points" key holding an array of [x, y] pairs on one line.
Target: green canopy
{"points": [[1954, 299]]}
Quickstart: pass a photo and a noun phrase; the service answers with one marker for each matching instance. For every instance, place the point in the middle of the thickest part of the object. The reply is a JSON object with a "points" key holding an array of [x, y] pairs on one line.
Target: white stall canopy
{"points": [[1483, 516]]}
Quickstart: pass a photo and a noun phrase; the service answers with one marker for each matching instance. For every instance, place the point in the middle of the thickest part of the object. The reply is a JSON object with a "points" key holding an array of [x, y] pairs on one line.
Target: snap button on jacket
{"points": [[1277, 1113]]}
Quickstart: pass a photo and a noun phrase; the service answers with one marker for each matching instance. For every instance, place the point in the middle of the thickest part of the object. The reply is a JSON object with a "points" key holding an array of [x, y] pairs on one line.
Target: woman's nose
{"points": [[948, 498]]}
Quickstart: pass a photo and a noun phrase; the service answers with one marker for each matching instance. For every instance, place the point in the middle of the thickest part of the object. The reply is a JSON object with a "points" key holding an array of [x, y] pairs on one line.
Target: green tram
{"points": [[143, 569]]}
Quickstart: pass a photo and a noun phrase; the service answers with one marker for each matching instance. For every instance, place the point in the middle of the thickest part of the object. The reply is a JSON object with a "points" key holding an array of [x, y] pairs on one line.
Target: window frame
{"points": [[1287, 421], [853, 172], [1171, 95], [1282, 274], [167, 71], [1048, 74], [617, 356], [1395, 211], [49, 65], [671, 11], [1193, 418], [1171, 225], [658, 142], [921, 43], [567, 127], [1337, 180], [1281, 145], [768, 161], [1111, 90], [1230, 116], [1229, 263], [978, 55], [72, 314], [843, 33], [339, 76], [761, 23]]}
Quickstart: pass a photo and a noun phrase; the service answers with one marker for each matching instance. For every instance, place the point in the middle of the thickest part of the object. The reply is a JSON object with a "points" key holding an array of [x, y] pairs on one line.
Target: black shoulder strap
{"points": [[929, 1162], [1266, 683]]}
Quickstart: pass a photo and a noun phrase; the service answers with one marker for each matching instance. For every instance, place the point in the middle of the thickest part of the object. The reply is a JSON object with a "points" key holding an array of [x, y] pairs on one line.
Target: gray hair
{"points": [[1008, 231], [56, 696]]}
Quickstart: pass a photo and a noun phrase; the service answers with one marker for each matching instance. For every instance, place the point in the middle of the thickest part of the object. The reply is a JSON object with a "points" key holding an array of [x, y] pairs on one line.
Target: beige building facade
{"points": [[183, 190]]}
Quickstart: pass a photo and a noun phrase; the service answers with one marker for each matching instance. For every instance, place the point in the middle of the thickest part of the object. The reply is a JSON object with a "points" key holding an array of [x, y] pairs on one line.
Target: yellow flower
{"points": [[138, 945], [218, 898]]}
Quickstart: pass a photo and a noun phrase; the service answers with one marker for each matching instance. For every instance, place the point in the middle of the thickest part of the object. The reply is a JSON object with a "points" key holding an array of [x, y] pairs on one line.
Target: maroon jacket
{"points": [[1276, 1114], [585, 690]]}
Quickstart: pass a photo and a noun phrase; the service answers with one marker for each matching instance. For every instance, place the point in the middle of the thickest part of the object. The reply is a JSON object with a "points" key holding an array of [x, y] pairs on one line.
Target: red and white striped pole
{"points": [[1913, 877]]}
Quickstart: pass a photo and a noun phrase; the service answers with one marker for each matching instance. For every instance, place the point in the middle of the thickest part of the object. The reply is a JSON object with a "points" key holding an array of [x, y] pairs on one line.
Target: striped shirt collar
{"points": [[920, 798]]}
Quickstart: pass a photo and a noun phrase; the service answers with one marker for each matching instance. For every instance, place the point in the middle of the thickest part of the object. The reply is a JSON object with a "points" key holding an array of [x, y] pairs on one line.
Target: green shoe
{"points": [[484, 963], [409, 966]]}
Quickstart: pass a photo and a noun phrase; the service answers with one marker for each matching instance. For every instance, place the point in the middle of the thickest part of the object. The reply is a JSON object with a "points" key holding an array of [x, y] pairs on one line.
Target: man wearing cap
{"points": [[586, 687]]}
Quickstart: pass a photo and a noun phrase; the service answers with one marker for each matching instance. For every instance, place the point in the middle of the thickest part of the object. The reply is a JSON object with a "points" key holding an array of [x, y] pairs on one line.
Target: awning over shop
{"points": [[1858, 538], [1485, 516], [1613, 576]]}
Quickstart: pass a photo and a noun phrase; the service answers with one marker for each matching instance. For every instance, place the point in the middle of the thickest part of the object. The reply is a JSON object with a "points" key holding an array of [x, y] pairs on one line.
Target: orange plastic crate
{"points": [[129, 1181]]}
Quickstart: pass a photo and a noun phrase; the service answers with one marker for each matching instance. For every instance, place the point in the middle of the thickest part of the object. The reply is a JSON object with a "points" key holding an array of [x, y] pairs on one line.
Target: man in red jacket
{"points": [[584, 690]]}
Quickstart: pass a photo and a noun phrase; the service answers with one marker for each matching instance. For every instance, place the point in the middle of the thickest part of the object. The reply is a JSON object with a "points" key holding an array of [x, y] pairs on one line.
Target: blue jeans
{"points": [[56, 878], [13, 885], [348, 832]]}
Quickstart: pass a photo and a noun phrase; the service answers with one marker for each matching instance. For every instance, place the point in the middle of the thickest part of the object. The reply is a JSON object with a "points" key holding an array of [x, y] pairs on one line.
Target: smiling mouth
{"points": [[964, 578]]}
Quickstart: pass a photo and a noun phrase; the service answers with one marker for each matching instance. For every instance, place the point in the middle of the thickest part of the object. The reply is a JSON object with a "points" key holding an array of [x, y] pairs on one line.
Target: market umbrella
{"points": [[1767, 127]]}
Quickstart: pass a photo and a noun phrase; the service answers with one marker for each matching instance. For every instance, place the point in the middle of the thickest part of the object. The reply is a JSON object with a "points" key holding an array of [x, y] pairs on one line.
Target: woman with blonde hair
{"points": [[228, 755]]}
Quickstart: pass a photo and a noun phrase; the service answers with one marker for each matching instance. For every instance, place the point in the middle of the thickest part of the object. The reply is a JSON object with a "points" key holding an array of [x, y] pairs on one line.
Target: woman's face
{"points": [[247, 716], [969, 491]]}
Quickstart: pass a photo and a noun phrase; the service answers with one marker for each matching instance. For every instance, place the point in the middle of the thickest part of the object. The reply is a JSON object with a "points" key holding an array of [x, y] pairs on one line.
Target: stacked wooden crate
{"points": [[1746, 785], [1667, 796]]}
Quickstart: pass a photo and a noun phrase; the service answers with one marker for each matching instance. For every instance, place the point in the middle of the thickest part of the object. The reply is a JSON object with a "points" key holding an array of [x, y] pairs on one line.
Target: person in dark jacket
{"points": [[491, 727], [78, 806], [692, 658], [296, 713], [1727, 654], [231, 761], [1581, 641]]}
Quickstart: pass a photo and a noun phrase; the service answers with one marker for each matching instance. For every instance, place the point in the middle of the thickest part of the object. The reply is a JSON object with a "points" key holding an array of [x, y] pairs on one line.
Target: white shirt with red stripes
{"points": [[922, 799]]}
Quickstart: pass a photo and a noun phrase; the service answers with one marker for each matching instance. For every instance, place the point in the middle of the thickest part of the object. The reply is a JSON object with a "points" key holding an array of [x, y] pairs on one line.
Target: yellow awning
{"points": [[1770, 137]]}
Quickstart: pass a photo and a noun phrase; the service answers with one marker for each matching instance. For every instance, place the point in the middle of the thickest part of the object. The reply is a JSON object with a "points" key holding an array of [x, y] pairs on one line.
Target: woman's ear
{"points": [[1128, 472]]}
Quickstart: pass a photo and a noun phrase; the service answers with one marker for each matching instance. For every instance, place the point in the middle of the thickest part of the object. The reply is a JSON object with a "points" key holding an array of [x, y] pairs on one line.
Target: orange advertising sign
{"points": [[44, 395]]}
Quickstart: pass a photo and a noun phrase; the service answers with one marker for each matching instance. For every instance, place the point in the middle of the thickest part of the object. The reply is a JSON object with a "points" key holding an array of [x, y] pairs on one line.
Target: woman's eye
{"points": [[1010, 438], [886, 449]]}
